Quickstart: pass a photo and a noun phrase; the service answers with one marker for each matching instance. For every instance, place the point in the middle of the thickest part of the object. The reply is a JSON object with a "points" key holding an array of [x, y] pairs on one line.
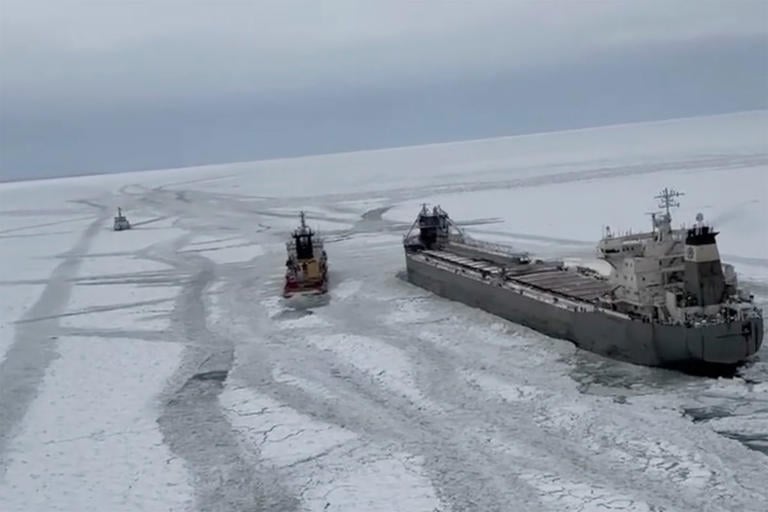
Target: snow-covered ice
{"points": [[100, 449], [354, 475], [160, 369]]}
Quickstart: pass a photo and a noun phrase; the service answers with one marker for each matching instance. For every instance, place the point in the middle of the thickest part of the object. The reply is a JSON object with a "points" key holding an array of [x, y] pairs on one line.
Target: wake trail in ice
{"points": [[34, 346]]}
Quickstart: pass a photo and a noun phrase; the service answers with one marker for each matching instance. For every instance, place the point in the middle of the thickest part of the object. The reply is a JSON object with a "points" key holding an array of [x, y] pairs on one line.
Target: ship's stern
{"points": [[730, 343]]}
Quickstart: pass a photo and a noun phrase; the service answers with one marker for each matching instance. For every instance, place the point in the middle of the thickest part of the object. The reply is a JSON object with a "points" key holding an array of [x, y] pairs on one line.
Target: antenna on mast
{"points": [[654, 223], [303, 222], [667, 199]]}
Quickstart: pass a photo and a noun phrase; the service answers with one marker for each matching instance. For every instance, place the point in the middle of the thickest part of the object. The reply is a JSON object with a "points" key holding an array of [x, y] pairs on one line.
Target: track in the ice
{"points": [[437, 442], [481, 449]]}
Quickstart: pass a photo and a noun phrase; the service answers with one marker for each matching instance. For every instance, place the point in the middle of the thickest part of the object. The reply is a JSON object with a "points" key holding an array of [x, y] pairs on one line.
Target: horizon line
{"points": [[383, 149]]}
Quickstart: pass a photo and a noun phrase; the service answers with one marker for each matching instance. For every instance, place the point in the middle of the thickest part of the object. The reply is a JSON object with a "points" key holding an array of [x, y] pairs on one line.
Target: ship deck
{"points": [[545, 276]]}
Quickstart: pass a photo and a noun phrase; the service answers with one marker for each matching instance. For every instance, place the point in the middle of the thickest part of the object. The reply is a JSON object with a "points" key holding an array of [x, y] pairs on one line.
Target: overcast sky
{"points": [[109, 85]]}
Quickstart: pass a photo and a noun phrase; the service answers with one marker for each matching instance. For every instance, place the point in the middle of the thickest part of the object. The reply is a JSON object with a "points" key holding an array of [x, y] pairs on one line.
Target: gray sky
{"points": [[108, 85]]}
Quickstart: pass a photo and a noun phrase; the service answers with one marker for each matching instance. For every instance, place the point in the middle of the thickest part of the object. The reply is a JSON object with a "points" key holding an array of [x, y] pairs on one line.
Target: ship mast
{"points": [[303, 229], [667, 200]]}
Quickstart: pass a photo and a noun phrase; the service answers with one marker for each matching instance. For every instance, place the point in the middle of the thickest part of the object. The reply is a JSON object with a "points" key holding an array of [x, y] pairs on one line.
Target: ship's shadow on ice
{"points": [[708, 370]]}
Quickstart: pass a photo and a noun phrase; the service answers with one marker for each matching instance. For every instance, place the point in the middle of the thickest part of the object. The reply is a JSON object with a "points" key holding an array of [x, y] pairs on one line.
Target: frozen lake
{"points": [[158, 368]]}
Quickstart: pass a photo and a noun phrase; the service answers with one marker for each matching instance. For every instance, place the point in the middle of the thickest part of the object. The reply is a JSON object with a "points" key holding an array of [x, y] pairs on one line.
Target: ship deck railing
{"points": [[474, 269], [483, 267], [497, 249]]}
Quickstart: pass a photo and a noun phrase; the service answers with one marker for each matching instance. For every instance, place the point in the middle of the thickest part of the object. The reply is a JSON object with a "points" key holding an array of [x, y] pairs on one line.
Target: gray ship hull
{"points": [[613, 336]]}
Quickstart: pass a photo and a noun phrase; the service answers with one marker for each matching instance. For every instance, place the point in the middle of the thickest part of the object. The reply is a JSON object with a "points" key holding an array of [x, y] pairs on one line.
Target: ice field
{"points": [[158, 369]]}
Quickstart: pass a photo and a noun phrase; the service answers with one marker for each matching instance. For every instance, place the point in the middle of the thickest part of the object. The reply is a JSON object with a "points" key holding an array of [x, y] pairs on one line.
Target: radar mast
{"points": [[663, 222], [667, 199]]}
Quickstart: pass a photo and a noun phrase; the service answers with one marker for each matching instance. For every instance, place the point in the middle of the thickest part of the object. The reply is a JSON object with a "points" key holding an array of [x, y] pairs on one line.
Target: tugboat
{"points": [[307, 265], [668, 301], [121, 222]]}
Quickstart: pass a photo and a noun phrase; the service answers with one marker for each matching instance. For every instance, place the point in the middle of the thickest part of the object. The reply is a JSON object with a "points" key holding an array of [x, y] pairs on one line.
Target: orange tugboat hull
{"points": [[292, 289]]}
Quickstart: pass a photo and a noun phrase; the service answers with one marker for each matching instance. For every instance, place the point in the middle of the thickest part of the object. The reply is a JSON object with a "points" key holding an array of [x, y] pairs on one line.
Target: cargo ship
{"points": [[306, 269], [668, 300]]}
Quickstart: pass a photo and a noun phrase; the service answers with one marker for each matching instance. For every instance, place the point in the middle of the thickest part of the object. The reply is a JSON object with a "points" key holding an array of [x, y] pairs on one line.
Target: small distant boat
{"points": [[307, 265], [121, 222]]}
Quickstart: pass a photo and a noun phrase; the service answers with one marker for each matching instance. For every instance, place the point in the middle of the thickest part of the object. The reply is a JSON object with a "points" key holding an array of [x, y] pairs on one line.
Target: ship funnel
{"points": [[704, 280]]}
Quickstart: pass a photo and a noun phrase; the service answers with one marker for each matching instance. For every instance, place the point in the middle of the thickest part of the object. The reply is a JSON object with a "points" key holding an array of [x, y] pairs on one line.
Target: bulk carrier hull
{"points": [[587, 325]]}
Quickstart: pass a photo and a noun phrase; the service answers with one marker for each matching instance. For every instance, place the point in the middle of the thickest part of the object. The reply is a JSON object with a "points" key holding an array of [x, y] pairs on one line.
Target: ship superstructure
{"points": [[673, 275], [120, 222], [668, 300], [306, 269]]}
